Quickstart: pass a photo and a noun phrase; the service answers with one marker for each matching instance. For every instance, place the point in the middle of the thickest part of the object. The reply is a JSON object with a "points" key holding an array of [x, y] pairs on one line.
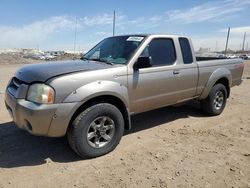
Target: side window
{"points": [[186, 50], [161, 51]]}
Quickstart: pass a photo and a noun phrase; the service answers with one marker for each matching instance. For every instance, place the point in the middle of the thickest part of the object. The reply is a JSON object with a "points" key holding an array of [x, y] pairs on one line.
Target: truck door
{"points": [[164, 82], [188, 73]]}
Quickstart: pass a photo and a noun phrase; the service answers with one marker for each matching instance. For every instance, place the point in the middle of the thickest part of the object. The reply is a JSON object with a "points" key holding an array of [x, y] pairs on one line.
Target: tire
{"points": [[96, 131], [215, 102]]}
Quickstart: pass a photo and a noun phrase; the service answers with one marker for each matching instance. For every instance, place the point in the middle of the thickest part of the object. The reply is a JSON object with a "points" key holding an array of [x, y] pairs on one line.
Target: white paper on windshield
{"points": [[136, 39]]}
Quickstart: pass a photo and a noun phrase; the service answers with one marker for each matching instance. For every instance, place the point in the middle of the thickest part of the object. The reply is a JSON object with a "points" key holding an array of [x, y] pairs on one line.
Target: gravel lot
{"points": [[169, 147]]}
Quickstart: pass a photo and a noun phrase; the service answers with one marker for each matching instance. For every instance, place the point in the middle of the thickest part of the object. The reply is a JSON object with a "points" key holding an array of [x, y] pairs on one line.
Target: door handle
{"points": [[175, 72]]}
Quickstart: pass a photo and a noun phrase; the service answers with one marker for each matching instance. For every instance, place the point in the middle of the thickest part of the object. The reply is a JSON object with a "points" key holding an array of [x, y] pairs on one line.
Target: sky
{"points": [[50, 25]]}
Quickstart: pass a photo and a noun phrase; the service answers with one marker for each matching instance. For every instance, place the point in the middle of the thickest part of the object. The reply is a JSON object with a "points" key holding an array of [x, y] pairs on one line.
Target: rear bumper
{"points": [[40, 119]]}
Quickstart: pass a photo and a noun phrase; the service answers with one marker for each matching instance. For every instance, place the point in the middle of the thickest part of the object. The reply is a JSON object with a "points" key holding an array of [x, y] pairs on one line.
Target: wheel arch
{"points": [[221, 75], [111, 99], [224, 81]]}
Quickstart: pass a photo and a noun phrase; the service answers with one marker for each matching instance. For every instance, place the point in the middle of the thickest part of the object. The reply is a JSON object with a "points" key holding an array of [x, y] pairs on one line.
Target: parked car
{"points": [[244, 57], [232, 56], [49, 57], [91, 100]]}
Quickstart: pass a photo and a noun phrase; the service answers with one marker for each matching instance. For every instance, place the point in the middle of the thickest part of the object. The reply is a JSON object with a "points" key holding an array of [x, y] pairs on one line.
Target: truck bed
{"points": [[218, 66]]}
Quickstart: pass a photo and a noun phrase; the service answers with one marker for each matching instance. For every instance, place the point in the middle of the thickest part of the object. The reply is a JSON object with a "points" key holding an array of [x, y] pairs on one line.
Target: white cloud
{"points": [[141, 23], [37, 32], [219, 42], [215, 11], [211, 11], [237, 30], [136, 21], [31, 34], [214, 43], [156, 18], [96, 20], [28, 36], [104, 19], [103, 33]]}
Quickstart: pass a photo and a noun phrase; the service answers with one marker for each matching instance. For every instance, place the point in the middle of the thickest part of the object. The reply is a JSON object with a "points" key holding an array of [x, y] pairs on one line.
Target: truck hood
{"points": [[43, 71]]}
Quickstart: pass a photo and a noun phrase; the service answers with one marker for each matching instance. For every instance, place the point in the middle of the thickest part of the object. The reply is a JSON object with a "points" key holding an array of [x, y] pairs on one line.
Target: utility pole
{"points": [[75, 35], [244, 39], [228, 33], [114, 24]]}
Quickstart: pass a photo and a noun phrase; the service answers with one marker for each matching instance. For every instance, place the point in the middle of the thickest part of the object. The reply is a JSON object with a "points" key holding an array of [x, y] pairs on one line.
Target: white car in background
{"points": [[232, 56], [49, 57]]}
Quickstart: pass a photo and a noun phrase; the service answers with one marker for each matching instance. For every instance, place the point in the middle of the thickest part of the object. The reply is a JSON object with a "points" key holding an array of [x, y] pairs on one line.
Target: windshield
{"points": [[115, 50]]}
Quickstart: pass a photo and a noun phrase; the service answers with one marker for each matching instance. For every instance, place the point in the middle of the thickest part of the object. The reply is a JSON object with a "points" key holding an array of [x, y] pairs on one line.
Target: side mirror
{"points": [[142, 62]]}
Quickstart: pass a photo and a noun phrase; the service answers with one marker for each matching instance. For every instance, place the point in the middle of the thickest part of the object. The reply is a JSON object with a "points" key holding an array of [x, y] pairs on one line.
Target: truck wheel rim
{"points": [[218, 100], [100, 132]]}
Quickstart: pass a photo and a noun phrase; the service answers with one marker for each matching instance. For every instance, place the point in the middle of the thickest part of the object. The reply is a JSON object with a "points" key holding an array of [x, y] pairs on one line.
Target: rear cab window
{"points": [[186, 51]]}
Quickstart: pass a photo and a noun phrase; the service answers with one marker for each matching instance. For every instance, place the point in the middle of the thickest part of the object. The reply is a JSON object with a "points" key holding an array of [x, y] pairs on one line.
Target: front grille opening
{"points": [[14, 85]]}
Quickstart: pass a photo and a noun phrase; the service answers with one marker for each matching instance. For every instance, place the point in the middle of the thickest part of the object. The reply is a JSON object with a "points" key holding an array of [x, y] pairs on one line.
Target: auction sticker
{"points": [[136, 39]]}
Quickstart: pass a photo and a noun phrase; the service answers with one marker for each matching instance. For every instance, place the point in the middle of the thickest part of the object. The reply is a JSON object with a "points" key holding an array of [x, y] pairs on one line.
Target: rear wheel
{"points": [[215, 103], [96, 131]]}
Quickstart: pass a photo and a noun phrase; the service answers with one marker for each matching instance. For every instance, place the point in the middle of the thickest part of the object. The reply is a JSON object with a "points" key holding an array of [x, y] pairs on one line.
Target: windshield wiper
{"points": [[102, 61]]}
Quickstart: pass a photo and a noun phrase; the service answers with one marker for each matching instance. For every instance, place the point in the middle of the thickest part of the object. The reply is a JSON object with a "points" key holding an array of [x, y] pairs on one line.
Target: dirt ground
{"points": [[169, 147]]}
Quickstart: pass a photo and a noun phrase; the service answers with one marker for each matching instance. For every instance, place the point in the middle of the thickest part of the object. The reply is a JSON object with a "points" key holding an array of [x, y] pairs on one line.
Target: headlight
{"points": [[41, 93]]}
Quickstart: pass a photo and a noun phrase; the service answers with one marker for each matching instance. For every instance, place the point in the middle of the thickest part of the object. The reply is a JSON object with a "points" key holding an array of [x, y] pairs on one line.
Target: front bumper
{"points": [[40, 119]]}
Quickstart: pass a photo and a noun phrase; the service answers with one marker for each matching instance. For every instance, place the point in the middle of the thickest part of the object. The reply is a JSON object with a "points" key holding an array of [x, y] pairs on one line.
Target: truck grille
{"points": [[14, 85]]}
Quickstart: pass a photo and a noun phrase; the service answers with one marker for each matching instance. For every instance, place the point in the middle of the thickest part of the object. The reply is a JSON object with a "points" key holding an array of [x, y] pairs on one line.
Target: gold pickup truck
{"points": [[91, 100]]}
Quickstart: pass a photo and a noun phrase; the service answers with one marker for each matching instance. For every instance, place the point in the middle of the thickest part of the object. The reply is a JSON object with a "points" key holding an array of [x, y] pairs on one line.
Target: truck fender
{"points": [[81, 95], [99, 88], [215, 76]]}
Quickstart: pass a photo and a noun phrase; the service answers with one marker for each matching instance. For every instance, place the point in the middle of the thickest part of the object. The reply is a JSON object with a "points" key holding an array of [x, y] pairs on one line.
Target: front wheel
{"points": [[215, 103], [96, 131]]}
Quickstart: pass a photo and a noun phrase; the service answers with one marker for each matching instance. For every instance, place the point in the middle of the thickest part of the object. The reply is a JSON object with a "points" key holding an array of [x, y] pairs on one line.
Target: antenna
{"points": [[228, 33], [75, 35], [114, 24]]}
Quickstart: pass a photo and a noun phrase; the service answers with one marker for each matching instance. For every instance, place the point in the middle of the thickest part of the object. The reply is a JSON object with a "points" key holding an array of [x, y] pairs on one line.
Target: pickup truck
{"points": [[92, 99]]}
